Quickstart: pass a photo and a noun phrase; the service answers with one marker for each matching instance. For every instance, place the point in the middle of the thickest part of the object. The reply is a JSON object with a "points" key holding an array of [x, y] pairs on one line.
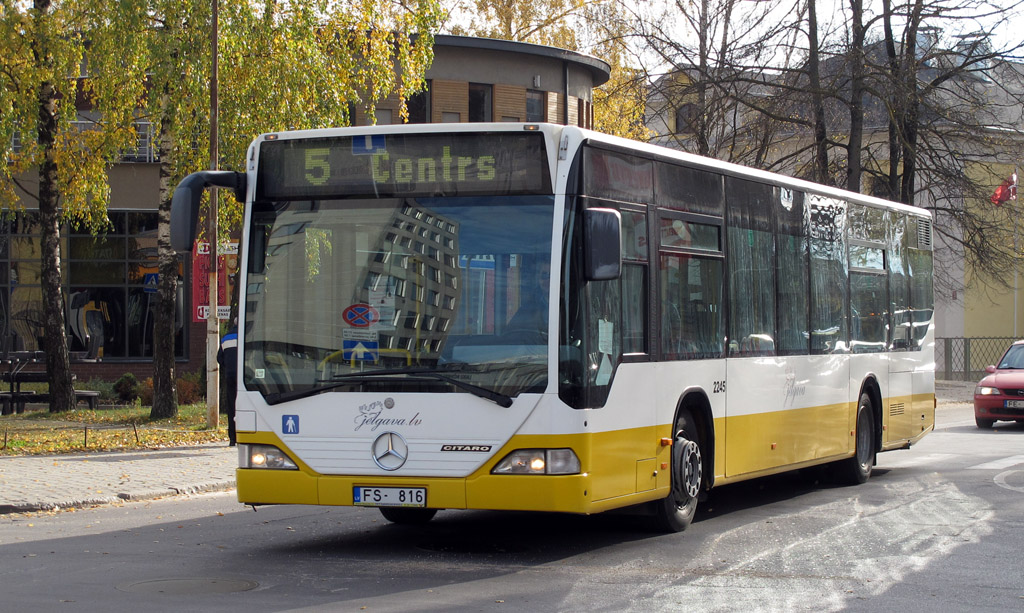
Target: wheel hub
{"points": [[689, 468]]}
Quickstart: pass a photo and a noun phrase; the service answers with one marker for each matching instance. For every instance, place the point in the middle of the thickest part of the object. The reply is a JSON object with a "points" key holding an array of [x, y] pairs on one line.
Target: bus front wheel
{"points": [[676, 511], [407, 516]]}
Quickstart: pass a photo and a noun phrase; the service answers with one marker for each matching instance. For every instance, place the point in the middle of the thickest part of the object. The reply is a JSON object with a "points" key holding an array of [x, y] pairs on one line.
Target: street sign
{"points": [[360, 315], [360, 351], [369, 145], [149, 282]]}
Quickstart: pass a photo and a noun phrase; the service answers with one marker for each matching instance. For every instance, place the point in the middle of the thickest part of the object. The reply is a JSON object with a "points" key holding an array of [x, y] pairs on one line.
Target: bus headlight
{"points": [[539, 462], [264, 456], [986, 391]]}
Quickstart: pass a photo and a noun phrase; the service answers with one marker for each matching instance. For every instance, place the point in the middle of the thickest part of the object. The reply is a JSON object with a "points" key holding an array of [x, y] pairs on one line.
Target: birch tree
{"points": [[56, 53]]}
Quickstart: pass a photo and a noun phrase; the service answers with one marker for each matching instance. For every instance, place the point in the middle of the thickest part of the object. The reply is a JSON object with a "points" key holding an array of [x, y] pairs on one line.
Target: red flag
{"points": [[1006, 191]]}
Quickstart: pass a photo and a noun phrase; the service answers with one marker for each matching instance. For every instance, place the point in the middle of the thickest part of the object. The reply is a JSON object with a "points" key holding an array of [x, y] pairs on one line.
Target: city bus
{"points": [[533, 317]]}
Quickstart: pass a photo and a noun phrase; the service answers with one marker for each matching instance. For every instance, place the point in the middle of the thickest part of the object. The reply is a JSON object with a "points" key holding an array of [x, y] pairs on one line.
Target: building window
{"points": [[480, 106], [534, 105], [686, 119], [108, 284], [418, 105]]}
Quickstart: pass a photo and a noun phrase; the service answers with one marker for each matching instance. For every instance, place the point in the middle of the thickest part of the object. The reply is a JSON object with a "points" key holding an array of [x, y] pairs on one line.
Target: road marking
{"points": [[999, 464], [885, 461], [842, 552], [1000, 480]]}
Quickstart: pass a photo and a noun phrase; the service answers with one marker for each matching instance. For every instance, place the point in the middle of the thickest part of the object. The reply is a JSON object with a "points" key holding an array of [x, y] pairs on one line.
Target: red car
{"points": [[1000, 395]]}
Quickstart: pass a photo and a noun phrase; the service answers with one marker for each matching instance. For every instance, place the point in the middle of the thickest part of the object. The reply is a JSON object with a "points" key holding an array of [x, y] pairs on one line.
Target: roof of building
{"points": [[599, 69]]}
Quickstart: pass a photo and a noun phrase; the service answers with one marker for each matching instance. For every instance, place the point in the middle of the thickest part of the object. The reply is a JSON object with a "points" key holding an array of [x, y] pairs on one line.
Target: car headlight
{"points": [[264, 456], [539, 462], [982, 390]]}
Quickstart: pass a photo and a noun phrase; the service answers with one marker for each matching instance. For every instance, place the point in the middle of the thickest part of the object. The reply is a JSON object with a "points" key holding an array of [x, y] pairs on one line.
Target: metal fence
{"points": [[965, 359]]}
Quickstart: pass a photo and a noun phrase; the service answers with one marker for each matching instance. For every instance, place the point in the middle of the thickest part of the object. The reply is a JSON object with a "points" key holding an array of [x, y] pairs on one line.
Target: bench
{"points": [[89, 396], [15, 402]]}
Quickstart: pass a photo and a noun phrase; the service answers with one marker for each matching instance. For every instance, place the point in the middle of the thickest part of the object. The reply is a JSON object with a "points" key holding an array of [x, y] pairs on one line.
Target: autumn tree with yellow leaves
{"points": [[76, 74]]}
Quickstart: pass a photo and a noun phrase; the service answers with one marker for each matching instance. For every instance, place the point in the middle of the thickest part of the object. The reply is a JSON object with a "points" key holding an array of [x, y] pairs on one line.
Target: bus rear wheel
{"points": [[857, 469], [409, 517], [676, 511]]}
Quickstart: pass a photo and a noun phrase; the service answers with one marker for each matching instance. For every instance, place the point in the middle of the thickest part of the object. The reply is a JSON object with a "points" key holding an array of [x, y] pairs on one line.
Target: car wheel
{"points": [[984, 424], [676, 511], [410, 517]]}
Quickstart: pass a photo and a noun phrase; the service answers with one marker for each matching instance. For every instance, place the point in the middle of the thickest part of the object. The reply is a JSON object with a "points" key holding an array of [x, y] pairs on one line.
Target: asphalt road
{"points": [[936, 529]]}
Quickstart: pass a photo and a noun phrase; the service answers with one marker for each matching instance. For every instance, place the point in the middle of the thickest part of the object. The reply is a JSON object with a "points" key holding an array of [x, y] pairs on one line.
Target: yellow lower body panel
{"points": [[639, 479], [621, 468]]}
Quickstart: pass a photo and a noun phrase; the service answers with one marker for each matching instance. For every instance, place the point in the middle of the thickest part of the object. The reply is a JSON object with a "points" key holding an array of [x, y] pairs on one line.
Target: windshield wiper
{"points": [[418, 374]]}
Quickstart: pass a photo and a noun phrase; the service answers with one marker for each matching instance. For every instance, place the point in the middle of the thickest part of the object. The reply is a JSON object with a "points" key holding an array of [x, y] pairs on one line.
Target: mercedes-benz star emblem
{"points": [[390, 451]]}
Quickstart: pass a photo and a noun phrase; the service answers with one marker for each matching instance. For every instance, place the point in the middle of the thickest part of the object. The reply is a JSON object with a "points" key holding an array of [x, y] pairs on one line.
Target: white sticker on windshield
{"points": [[605, 336], [604, 371], [384, 301]]}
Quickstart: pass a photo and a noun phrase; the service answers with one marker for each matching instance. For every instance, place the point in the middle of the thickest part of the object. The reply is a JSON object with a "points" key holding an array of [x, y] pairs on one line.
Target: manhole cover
{"points": [[189, 586]]}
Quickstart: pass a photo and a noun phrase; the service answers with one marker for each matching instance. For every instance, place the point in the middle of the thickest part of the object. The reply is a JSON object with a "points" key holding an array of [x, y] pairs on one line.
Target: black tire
{"points": [[676, 511], [406, 516], [857, 470], [984, 424]]}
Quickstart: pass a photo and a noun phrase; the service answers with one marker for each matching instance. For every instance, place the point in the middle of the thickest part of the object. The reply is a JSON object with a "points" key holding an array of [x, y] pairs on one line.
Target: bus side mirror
{"points": [[187, 197], [602, 238]]}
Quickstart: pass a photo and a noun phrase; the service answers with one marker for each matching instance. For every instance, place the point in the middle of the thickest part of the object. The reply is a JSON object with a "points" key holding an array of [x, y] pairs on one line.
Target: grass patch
{"points": [[114, 429]]}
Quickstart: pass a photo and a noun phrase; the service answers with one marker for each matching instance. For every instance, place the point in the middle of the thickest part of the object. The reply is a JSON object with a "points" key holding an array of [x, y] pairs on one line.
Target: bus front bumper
{"points": [[555, 493]]}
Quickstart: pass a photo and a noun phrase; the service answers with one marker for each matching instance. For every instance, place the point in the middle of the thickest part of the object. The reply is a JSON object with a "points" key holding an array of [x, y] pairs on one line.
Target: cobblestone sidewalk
{"points": [[33, 483]]}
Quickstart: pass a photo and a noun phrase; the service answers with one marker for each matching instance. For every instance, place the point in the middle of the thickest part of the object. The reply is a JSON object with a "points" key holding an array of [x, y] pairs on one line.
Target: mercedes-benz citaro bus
{"points": [[535, 317]]}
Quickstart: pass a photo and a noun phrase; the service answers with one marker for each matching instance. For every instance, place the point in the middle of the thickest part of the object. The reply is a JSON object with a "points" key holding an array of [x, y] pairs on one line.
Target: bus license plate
{"points": [[1015, 404], [389, 496]]}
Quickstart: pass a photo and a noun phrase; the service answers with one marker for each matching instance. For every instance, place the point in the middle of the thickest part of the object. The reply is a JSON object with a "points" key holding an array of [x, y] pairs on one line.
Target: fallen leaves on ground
{"points": [[123, 429]]}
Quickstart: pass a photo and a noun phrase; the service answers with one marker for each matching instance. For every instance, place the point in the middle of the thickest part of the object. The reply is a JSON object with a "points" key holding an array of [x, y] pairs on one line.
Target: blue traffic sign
{"points": [[369, 145], [150, 281], [365, 351]]}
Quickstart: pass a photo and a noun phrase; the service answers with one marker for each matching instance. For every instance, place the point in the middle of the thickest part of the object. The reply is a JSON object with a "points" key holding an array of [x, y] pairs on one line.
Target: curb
{"points": [[202, 488]]}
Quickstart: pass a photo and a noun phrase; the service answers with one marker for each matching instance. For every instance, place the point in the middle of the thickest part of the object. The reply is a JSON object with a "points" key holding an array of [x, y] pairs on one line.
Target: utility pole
{"points": [[212, 322]]}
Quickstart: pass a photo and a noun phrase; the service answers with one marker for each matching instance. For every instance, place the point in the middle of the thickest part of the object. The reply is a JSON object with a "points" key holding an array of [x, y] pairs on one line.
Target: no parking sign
{"points": [[360, 315]]}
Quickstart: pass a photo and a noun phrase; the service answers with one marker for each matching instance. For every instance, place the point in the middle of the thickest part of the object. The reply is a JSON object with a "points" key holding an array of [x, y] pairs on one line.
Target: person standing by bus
{"points": [[227, 357]]}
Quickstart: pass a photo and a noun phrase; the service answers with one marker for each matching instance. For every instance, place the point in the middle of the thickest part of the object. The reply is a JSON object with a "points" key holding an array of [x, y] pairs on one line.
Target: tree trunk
{"points": [[58, 363], [165, 391], [820, 172], [701, 131], [895, 78], [912, 96], [853, 148]]}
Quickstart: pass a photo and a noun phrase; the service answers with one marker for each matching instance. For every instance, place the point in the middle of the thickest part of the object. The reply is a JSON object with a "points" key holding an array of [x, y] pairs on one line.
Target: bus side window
{"points": [[691, 301], [751, 248]]}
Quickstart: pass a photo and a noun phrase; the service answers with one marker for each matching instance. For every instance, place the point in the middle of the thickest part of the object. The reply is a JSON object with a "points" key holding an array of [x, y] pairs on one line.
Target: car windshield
{"points": [[384, 294], [1013, 358]]}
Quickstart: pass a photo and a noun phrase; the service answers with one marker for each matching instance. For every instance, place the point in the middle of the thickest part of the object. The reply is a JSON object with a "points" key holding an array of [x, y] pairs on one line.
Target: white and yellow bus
{"points": [[543, 318]]}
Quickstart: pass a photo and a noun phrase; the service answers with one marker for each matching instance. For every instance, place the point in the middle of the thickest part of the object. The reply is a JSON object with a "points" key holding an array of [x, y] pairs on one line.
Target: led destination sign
{"points": [[403, 165]]}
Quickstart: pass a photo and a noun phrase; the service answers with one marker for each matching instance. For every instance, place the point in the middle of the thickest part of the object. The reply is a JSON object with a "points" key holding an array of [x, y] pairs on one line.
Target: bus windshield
{"points": [[435, 294]]}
